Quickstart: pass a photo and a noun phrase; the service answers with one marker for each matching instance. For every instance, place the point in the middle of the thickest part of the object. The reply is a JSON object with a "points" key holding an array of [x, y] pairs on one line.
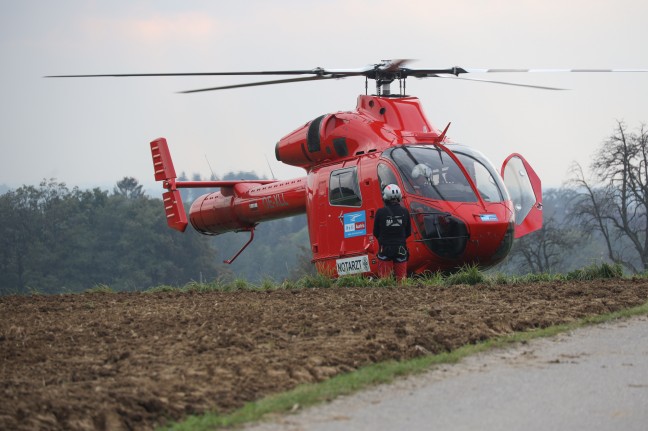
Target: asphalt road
{"points": [[594, 378]]}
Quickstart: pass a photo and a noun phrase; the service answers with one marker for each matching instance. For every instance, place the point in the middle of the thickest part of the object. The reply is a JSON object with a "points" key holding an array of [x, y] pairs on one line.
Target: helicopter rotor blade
{"points": [[316, 71], [253, 84], [128, 75], [489, 81], [454, 72], [554, 70], [391, 66], [385, 71]]}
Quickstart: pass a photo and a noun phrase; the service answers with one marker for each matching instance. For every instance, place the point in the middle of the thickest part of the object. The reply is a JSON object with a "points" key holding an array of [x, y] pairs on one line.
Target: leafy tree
{"points": [[129, 188], [614, 202], [53, 240]]}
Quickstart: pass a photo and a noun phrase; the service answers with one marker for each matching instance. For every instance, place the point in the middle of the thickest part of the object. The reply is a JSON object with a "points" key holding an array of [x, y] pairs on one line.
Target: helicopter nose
{"points": [[462, 237], [490, 241]]}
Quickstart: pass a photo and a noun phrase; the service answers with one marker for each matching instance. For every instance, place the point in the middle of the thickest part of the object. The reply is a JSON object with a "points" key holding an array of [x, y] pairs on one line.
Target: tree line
{"points": [[600, 217], [55, 239]]}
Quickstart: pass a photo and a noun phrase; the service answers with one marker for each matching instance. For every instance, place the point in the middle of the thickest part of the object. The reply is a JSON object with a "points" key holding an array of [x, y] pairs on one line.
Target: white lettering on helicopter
{"points": [[355, 224], [275, 201], [488, 217], [353, 265]]}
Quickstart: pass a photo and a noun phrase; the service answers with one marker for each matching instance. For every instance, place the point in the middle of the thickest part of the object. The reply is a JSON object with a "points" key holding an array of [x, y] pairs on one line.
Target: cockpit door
{"points": [[526, 193]]}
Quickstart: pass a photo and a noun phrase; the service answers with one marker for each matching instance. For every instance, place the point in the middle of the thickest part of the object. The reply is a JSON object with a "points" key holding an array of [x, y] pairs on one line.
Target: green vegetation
{"points": [[101, 288], [57, 240], [470, 275], [385, 372], [594, 271]]}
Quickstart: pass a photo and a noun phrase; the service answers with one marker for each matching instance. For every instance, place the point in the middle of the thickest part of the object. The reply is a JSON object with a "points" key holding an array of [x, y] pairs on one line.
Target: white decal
{"points": [[488, 217], [352, 265]]}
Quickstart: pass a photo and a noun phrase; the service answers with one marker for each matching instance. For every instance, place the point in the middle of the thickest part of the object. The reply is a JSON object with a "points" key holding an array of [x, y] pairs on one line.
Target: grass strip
{"points": [[344, 384]]}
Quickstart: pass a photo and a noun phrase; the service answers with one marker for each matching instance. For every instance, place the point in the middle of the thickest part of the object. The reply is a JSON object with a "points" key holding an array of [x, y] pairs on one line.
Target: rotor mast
{"points": [[384, 74]]}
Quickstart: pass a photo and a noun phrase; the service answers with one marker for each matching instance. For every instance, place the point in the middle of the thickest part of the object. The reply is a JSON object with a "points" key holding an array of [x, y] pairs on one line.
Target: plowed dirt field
{"points": [[137, 360]]}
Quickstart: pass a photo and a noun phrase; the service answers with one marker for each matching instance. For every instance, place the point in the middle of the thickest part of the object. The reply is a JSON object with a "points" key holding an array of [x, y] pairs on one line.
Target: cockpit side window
{"points": [[386, 176], [344, 189]]}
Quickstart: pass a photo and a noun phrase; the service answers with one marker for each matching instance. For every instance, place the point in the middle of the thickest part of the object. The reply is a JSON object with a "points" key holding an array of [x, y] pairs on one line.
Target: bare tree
{"points": [[615, 201], [550, 249]]}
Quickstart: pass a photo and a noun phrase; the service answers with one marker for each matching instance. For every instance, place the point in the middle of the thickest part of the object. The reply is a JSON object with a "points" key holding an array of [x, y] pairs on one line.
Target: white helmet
{"points": [[421, 169], [392, 192]]}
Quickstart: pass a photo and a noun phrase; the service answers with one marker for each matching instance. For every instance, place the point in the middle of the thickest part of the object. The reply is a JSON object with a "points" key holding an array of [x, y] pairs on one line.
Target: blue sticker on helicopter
{"points": [[355, 224], [488, 217]]}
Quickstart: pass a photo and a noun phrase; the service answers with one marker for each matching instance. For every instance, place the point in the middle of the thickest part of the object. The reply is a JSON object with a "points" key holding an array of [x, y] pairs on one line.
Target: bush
{"points": [[596, 271], [354, 281], [100, 288], [317, 280], [469, 274]]}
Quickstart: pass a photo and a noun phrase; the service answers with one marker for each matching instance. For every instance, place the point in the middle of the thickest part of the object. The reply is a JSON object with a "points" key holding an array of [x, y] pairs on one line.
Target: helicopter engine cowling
{"points": [[345, 135], [328, 138], [244, 205], [312, 143]]}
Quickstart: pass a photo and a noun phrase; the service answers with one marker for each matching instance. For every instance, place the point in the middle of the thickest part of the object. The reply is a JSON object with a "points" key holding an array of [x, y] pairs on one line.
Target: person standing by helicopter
{"points": [[392, 227]]}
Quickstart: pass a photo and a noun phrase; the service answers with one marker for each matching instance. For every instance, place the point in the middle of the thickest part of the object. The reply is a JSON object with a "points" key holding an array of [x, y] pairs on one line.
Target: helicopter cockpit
{"points": [[429, 171]]}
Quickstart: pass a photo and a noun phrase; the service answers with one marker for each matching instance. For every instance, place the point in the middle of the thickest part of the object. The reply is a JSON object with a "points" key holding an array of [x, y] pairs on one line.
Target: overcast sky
{"points": [[93, 132]]}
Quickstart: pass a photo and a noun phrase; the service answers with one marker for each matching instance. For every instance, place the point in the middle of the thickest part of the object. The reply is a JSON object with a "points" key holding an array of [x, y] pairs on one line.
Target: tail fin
{"points": [[164, 171]]}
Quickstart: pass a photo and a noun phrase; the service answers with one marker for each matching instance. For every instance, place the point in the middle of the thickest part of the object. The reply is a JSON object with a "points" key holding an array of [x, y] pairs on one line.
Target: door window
{"points": [[344, 189]]}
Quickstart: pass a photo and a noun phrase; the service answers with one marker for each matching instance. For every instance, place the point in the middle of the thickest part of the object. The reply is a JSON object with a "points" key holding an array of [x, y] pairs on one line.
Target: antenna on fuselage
{"points": [[210, 168], [270, 167]]}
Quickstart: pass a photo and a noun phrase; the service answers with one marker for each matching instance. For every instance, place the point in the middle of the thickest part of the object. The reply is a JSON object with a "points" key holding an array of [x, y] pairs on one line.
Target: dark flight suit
{"points": [[392, 227]]}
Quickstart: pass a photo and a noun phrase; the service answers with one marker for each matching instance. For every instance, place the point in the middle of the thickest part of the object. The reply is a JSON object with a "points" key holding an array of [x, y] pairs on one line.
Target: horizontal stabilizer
{"points": [[175, 212], [226, 183]]}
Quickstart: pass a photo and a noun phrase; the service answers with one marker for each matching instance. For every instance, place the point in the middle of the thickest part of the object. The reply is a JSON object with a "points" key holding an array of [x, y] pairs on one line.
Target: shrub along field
{"points": [[138, 360]]}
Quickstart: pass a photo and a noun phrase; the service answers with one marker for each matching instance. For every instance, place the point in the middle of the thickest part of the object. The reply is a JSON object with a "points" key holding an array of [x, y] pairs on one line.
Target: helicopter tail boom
{"points": [[239, 205], [244, 205]]}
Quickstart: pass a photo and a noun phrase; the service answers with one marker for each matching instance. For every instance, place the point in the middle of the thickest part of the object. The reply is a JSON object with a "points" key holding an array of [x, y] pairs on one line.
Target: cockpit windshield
{"points": [[489, 183], [430, 172]]}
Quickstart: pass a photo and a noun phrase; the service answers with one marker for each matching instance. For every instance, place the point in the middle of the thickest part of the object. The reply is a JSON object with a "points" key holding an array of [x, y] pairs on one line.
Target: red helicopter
{"points": [[463, 210]]}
